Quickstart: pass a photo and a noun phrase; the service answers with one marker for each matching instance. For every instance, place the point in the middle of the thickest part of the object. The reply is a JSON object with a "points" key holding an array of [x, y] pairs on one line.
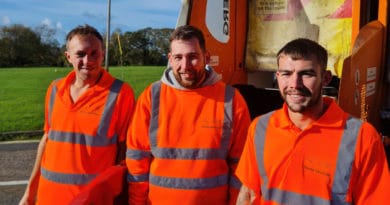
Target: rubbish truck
{"points": [[243, 37]]}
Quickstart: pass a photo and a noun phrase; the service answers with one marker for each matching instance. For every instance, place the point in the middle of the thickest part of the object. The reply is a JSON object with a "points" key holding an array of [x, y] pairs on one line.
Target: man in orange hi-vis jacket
{"points": [[86, 118], [311, 151], [187, 133]]}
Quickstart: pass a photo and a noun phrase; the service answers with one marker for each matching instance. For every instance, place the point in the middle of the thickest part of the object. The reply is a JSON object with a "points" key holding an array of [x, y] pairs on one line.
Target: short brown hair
{"points": [[187, 32], [303, 48], [84, 30]]}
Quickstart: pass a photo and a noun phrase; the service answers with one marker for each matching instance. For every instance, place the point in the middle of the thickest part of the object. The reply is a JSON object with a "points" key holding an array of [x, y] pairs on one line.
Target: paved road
{"points": [[16, 162]]}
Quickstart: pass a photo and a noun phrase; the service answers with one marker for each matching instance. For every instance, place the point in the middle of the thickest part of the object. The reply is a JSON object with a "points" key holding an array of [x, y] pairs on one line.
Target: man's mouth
{"points": [[186, 75]]}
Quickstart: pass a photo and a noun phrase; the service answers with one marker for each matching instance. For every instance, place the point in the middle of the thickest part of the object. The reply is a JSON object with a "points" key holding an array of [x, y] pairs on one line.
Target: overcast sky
{"points": [[127, 15]]}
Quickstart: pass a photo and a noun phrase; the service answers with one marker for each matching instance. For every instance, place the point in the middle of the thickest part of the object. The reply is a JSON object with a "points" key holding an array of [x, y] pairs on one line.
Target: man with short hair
{"points": [[310, 151], [188, 131], [86, 118]]}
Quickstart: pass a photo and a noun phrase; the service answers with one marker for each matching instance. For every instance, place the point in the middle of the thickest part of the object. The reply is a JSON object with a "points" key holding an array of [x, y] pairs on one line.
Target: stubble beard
{"points": [[311, 101], [195, 82]]}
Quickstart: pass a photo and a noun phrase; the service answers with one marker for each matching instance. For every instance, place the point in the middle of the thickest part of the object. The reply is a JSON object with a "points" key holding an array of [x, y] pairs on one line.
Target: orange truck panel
{"points": [[224, 26], [362, 79]]}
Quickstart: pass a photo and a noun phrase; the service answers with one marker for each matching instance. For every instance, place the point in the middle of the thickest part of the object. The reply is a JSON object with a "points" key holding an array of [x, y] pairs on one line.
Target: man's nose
{"points": [[185, 62], [295, 81], [86, 58]]}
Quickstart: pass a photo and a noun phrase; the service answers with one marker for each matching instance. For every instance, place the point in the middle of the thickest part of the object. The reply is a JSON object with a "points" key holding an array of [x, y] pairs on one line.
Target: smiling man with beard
{"points": [[188, 131], [310, 151]]}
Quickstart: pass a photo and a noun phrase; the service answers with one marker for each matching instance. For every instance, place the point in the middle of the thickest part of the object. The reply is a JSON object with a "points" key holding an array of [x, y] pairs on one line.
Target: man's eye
{"points": [[80, 55], [95, 53], [308, 74], [194, 57], [311, 74], [284, 74]]}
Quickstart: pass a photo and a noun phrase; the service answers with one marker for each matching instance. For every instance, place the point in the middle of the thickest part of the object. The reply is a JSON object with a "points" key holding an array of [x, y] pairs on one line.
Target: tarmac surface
{"points": [[16, 161]]}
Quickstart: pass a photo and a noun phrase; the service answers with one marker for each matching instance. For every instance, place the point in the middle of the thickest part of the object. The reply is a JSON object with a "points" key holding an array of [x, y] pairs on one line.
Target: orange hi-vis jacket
{"points": [[82, 136], [336, 160], [106, 189], [184, 145]]}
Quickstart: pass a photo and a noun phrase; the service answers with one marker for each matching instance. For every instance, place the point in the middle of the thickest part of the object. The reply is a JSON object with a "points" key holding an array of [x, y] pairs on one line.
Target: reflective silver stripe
{"points": [[137, 154], [342, 175], [75, 179], [187, 153], [235, 182], [137, 178], [52, 99], [153, 128], [189, 183], [101, 138], [109, 108], [79, 138], [288, 197], [345, 158], [227, 119], [233, 160], [182, 153], [259, 140]]}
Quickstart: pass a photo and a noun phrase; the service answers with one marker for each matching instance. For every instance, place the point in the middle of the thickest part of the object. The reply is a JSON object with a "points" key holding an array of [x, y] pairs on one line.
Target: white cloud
{"points": [[125, 15], [46, 22], [59, 25], [6, 20]]}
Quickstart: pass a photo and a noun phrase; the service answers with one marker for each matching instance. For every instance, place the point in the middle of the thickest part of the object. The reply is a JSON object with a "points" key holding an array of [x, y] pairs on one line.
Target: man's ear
{"points": [[67, 56], [326, 78], [169, 59]]}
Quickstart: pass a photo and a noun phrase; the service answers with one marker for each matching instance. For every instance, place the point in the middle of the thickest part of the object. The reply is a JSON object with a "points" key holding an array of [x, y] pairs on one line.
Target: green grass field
{"points": [[22, 92]]}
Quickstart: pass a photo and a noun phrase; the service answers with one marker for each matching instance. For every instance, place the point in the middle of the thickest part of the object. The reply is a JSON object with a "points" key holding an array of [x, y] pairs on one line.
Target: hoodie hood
{"points": [[169, 79]]}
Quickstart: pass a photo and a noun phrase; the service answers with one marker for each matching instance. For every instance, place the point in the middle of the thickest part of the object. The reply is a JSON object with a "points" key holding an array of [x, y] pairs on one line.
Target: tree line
{"points": [[21, 46]]}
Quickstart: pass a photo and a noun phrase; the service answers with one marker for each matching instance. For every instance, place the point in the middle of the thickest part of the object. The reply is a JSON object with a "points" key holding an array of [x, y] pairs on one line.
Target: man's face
{"points": [[188, 62], [86, 55], [300, 83]]}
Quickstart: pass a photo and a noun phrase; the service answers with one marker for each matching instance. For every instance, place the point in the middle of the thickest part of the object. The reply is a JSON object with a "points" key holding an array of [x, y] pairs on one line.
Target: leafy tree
{"points": [[21, 43], [115, 48], [145, 47], [49, 50], [21, 46]]}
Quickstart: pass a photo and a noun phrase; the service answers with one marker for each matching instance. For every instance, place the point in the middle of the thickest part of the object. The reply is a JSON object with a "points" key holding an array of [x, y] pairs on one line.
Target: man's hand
{"points": [[246, 196]]}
